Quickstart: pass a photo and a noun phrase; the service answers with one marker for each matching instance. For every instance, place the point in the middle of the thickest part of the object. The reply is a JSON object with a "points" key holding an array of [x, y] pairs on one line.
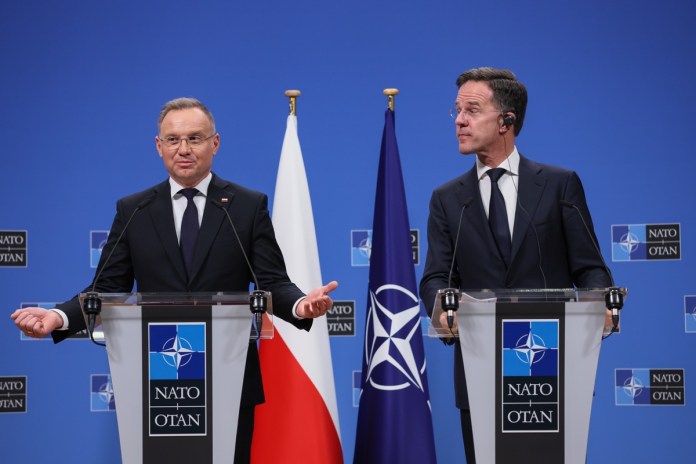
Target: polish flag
{"points": [[296, 365]]}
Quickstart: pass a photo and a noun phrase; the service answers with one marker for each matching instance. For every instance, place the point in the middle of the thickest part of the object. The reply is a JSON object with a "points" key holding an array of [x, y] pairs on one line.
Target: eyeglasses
{"points": [[469, 113], [193, 140]]}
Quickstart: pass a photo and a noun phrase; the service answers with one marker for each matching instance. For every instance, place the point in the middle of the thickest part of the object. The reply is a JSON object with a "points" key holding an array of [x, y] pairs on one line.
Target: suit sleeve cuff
{"points": [[63, 316], [294, 309]]}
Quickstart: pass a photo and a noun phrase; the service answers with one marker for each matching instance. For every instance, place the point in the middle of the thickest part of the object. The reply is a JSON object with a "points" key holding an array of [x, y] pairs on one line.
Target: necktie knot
{"points": [[496, 173], [189, 193]]}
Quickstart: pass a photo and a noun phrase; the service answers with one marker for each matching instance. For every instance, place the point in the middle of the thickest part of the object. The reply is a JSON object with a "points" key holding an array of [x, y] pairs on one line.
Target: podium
{"points": [[530, 358], [177, 366]]}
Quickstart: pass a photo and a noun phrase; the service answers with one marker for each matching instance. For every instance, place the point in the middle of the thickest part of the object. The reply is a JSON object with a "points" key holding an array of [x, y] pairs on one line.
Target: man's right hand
{"points": [[445, 325], [37, 322]]}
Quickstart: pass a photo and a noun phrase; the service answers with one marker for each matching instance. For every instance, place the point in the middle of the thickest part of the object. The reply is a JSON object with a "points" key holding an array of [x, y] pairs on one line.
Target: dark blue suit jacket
{"points": [[557, 242], [149, 254]]}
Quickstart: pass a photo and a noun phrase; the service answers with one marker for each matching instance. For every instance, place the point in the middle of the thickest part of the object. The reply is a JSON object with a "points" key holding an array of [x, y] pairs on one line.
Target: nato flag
{"points": [[394, 419]]}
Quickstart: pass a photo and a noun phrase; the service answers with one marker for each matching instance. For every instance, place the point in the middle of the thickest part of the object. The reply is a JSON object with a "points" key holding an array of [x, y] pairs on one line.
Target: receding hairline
{"points": [[184, 103]]}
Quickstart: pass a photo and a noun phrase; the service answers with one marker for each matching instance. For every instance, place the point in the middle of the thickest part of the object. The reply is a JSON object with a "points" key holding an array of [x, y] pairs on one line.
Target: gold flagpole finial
{"points": [[390, 93], [293, 94]]}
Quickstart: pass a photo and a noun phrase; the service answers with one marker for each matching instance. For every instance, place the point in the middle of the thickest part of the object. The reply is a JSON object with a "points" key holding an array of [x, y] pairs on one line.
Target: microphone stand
{"points": [[257, 305], [92, 308]]}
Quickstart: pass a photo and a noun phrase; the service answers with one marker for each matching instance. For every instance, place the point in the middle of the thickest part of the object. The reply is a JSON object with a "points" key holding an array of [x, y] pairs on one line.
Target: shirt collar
{"points": [[202, 186], [511, 164]]}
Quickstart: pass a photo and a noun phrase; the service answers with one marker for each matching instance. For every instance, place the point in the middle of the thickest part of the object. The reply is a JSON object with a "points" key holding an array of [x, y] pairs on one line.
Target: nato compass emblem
{"points": [[389, 353], [530, 349], [101, 393], [633, 387], [630, 387], [177, 351], [177, 383], [628, 242], [361, 247]]}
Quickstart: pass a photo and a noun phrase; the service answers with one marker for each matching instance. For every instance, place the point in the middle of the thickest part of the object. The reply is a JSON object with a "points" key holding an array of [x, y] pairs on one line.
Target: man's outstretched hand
{"points": [[317, 302]]}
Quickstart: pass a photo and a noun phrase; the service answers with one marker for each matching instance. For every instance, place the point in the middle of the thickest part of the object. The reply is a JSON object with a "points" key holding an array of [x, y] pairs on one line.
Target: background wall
{"points": [[611, 96]]}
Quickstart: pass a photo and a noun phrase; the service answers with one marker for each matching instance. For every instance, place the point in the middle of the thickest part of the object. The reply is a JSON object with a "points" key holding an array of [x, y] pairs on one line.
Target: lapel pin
{"points": [[224, 200]]}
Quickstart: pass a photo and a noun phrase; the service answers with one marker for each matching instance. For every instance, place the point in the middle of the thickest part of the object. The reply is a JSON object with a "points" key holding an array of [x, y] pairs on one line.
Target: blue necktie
{"points": [[497, 216], [189, 228]]}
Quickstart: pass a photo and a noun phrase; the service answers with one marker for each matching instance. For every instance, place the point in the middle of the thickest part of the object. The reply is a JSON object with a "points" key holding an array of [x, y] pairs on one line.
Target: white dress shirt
{"points": [[508, 184], [179, 202]]}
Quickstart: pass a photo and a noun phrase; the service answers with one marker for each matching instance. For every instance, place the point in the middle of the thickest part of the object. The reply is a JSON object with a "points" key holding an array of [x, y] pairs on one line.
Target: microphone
{"points": [[614, 298], [257, 299], [450, 298], [92, 302]]}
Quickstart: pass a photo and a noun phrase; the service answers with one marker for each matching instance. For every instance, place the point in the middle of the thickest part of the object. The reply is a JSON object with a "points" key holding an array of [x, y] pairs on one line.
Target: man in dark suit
{"points": [[150, 254], [536, 243]]}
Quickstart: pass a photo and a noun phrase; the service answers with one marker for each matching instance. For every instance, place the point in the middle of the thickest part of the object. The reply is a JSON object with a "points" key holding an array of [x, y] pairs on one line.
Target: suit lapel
{"points": [[531, 186], [163, 222], [474, 215], [213, 218]]}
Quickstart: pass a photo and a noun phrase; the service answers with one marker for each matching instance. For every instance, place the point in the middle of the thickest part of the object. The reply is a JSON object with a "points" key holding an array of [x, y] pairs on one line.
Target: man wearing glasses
{"points": [[505, 223], [187, 209]]}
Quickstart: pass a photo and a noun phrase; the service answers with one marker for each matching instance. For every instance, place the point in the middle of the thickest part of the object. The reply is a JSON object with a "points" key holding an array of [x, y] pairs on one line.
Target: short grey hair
{"points": [[184, 103]]}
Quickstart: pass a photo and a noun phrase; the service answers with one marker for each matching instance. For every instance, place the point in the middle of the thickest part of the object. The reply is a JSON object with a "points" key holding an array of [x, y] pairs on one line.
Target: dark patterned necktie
{"points": [[189, 228], [497, 216]]}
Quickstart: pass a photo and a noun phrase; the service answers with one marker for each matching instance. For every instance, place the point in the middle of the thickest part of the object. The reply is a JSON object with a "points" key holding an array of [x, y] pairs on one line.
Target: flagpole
{"points": [[292, 95], [390, 93], [394, 417]]}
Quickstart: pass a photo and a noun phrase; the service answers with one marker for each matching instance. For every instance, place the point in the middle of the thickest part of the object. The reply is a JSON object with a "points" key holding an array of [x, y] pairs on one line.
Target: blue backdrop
{"points": [[611, 95]]}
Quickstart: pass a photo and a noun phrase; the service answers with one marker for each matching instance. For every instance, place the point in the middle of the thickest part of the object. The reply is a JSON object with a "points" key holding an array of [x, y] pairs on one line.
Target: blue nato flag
{"points": [[394, 418]]}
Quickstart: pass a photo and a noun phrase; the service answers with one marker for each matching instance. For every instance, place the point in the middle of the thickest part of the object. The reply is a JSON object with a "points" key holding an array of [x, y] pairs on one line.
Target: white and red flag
{"points": [[296, 365]]}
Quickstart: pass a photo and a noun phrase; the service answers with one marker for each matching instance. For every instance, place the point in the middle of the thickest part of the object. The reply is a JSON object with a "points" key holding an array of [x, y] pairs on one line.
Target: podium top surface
{"points": [[536, 294], [174, 298], [596, 297]]}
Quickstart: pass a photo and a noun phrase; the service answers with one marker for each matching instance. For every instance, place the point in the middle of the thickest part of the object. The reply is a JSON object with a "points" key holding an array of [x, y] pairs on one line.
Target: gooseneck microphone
{"points": [[257, 298], [614, 297], [450, 298], [92, 302]]}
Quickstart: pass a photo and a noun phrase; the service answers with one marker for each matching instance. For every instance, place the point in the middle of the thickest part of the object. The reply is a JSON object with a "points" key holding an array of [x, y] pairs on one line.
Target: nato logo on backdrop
{"points": [[649, 387], [177, 379], [690, 313], [101, 393], [13, 248], [361, 247], [13, 394], [97, 240], [530, 365], [645, 242]]}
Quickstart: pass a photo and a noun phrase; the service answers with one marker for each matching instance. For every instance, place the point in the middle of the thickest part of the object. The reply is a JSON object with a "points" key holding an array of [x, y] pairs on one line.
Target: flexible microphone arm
{"points": [[614, 297], [450, 298], [258, 303]]}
